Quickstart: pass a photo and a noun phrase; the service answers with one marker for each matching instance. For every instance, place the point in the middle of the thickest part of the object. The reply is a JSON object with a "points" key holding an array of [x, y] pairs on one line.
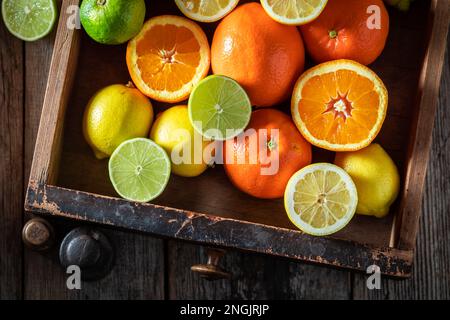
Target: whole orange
{"points": [[260, 162], [264, 56], [348, 29]]}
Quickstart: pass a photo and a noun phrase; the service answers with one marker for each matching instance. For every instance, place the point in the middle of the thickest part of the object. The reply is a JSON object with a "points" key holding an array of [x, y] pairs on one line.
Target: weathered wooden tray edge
{"points": [[407, 222], [45, 198], [214, 231]]}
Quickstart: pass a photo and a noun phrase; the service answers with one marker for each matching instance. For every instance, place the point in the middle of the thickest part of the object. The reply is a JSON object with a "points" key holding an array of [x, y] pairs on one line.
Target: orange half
{"points": [[339, 105], [168, 58]]}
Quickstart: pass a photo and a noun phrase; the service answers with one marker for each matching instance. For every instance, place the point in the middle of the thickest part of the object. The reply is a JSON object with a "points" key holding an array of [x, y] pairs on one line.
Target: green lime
{"points": [[29, 20], [219, 108], [112, 21], [139, 170]]}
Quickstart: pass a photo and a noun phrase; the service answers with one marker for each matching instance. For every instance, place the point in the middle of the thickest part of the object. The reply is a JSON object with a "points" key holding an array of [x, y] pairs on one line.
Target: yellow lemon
{"points": [[173, 131], [376, 178], [320, 199], [206, 11], [115, 114], [294, 12]]}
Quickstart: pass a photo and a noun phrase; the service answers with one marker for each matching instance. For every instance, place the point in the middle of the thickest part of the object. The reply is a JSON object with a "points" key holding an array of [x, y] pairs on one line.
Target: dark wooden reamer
{"points": [[228, 218]]}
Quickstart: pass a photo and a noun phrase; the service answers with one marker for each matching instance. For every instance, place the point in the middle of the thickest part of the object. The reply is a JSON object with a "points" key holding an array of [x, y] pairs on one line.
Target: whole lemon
{"points": [[173, 131], [376, 178], [115, 114]]}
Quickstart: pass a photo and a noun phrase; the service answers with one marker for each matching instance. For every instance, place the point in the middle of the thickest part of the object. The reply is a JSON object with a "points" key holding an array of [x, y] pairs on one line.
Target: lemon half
{"points": [[320, 199], [206, 11], [294, 12]]}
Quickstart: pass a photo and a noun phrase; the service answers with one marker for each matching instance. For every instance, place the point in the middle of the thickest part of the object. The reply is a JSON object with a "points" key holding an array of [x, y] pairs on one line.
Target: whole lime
{"points": [[112, 21]]}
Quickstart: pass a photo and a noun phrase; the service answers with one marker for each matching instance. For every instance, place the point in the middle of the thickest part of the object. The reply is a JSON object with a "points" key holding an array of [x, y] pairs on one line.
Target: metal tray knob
{"points": [[211, 270], [90, 250], [38, 234]]}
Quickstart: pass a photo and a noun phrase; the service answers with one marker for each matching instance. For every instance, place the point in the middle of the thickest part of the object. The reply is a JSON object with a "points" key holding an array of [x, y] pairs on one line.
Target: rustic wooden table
{"points": [[149, 268]]}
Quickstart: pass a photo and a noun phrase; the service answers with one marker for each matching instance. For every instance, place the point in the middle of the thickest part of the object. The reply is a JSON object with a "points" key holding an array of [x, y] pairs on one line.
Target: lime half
{"points": [[219, 108], [320, 199], [29, 20], [139, 170]]}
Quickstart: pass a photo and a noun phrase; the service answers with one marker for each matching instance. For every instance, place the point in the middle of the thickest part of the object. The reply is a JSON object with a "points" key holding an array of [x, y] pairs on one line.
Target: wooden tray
{"points": [[66, 180]]}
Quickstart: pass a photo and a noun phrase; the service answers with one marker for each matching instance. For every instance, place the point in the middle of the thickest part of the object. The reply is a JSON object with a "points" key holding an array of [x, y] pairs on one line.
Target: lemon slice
{"points": [[320, 199], [294, 12], [206, 11]]}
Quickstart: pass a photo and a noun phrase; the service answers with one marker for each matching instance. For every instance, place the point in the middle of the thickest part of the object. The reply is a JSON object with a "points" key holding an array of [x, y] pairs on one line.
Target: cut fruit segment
{"points": [[168, 58], [206, 11], [219, 108], [139, 170], [29, 20], [294, 12], [320, 199], [339, 105]]}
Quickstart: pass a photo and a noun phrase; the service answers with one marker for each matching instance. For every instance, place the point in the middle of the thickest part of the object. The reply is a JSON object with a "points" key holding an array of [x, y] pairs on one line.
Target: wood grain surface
{"points": [[11, 164], [420, 145], [149, 268]]}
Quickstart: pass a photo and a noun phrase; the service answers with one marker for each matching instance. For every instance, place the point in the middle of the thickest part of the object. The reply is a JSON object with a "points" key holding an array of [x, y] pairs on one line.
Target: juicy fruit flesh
{"points": [[219, 103], [139, 170], [205, 7], [166, 50], [294, 9], [321, 199], [340, 107], [29, 19]]}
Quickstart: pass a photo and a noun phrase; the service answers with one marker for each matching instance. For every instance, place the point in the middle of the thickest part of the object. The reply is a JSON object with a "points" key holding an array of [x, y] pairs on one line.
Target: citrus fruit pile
{"points": [[227, 93]]}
